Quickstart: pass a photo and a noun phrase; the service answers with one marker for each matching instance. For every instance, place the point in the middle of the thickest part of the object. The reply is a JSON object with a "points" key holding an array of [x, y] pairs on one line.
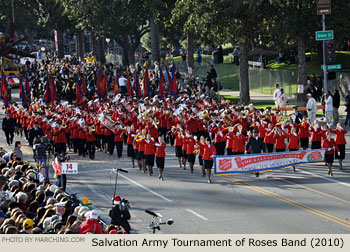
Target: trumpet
{"points": [[64, 125], [92, 128]]}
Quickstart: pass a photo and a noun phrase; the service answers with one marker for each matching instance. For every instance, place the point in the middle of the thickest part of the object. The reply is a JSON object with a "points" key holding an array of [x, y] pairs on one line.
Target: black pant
{"points": [[229, 151], [9, 137], [81, 147], [90, 146], [75, 144], [60, 148], [98, 141], [119, 146], [110, 144], [269, 147], [220, 148]]}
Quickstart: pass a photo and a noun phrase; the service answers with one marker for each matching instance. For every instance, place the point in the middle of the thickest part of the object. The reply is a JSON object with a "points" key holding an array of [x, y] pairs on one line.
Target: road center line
{"points": [[310, 189], [291, 202], [144, 187], [322, 177], [197, 214]]}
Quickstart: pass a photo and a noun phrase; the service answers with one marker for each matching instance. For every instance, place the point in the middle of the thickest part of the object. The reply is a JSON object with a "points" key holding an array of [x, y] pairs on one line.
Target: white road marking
{"points": [[325, 178], [197, 214], [147, 189]]}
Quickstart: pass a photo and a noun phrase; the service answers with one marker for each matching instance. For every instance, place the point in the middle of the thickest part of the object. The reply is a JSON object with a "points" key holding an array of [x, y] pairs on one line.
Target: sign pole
{"points": [[324, 56]]}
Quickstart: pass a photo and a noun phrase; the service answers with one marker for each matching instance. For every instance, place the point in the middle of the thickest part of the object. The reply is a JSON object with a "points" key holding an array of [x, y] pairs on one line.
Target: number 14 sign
{"points": [[69, 168]]}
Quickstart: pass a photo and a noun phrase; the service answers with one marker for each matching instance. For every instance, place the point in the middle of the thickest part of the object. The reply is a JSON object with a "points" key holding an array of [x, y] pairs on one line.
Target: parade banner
{"points": [[267, 161]]}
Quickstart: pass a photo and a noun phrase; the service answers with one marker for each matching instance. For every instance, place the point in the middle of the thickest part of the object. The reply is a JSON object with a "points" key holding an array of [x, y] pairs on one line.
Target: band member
{"points": [[141, 150], [340, 142], [160, 156], [149, 153], [60, 138], [229, 141], [130, 149], [118, 139], [208, 157], [304, 134], [268, 139], [178, 144], [90, 141], [329, 143], [279, 137], [201, 145], [293, 144], [256, 145], [316, 135], [82, 135], [190, 143]]}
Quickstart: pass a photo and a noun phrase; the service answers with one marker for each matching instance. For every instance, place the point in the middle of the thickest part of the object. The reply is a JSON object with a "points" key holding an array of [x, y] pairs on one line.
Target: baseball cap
{"points": [[92, 214], [28, 223]]}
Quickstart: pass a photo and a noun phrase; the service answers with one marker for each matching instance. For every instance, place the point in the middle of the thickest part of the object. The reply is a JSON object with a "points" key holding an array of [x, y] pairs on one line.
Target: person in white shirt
{"points": [[41, 175], [311, 107], [122, 82], [283, 100], [276, 96], [329, 109]]}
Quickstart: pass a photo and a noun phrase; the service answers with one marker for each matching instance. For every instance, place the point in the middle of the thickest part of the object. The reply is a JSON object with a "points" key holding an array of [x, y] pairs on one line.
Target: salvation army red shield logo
{"points": [[225, 164]]}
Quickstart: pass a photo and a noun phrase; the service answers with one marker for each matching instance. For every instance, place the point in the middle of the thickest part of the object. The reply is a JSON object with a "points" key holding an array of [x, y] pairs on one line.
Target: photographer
{"points": [[57, 167], [40, 156], [120, 213]]}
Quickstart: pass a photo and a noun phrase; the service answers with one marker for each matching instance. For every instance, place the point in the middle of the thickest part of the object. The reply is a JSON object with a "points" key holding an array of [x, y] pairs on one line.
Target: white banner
{"points": [[266, 161], [69, 168]]}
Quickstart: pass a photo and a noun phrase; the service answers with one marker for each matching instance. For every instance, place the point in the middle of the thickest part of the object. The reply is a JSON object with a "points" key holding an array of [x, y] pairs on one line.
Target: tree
{"points": [[243, 22], [126, 21]]}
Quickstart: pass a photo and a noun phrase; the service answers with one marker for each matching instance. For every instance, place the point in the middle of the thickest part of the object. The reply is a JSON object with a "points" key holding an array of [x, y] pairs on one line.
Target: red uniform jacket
{"points": [[330, 145], [160, 152], [150, 147], [269, 137], [339, 136], [208, 152], [238, 143], [316, 134], [293, 141], [279, 141]]}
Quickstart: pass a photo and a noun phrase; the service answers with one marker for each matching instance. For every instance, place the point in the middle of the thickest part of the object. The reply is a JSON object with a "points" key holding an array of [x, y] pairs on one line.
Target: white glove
{"points": [[338, 153], [195, 138], [257, 124], [212, 156], [157, 144], [152, 138], [133, 135], [228, 137], [147, 141], [220, 133]]}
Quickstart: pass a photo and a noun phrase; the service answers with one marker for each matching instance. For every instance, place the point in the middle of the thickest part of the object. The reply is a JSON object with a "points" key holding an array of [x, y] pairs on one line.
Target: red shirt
{"points": [[269, 137], [279, 141], [238, 143], [293, 141], [339, 136], [90, 137], [304, 130], [190, 145], [150, 147], [178, 139], [316, 134], [330, 145], [208, 152], [118, 135], [160, 152]]}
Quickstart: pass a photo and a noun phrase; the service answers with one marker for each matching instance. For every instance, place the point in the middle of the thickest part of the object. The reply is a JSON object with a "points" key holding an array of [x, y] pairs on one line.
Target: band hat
{"points": [[309, 94]]}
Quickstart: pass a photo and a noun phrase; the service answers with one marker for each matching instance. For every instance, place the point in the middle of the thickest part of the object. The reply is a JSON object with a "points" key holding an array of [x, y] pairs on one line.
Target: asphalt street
{"points": [[283, 201]]}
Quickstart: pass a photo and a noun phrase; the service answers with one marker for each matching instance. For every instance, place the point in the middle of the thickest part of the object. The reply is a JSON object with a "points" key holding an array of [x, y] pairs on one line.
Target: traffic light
{"points": [[330, 52]]}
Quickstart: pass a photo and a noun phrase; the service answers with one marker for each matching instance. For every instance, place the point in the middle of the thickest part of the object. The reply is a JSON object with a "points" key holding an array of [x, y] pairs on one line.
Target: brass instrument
{"points": [[92, 128], [156, 123], [64, 125]]}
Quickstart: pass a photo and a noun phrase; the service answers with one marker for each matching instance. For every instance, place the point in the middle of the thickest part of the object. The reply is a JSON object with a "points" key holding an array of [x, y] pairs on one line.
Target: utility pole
{"points": [[13, 11], [324, 7]]}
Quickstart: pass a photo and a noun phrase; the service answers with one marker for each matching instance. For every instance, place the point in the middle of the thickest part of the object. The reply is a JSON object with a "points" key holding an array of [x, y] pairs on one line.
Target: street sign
{"points": [[333, 67], [324, 35], [324, 7]]}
